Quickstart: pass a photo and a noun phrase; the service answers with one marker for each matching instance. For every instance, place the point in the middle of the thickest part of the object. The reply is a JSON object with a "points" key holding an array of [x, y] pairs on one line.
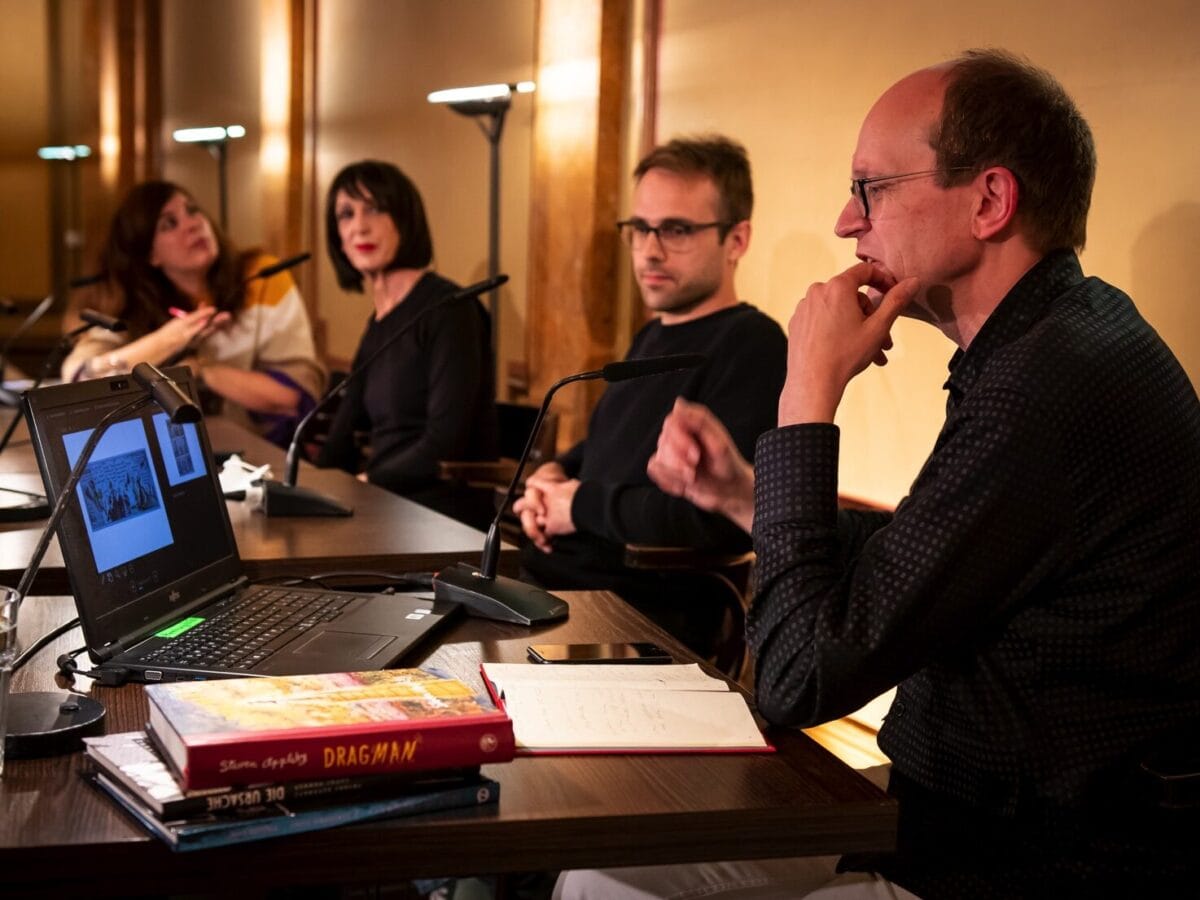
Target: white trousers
{"points": [[757, 879], [754, 879]]}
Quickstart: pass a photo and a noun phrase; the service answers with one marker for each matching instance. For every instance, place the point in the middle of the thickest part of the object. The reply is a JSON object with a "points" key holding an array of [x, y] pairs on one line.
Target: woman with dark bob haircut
{"points": [[431, 395], [187, 295]]}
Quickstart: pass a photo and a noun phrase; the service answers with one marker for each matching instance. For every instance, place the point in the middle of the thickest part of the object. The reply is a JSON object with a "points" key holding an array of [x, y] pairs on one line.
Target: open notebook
{"points": [[622, 709]]}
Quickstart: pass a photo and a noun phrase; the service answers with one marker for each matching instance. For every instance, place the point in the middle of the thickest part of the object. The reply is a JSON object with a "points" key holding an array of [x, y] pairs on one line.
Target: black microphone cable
{"points": [[33, 649], [66, 664]]}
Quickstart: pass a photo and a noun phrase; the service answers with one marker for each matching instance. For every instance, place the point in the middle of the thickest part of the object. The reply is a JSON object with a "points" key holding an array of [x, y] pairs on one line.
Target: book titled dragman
{"points": [[245, 731]]}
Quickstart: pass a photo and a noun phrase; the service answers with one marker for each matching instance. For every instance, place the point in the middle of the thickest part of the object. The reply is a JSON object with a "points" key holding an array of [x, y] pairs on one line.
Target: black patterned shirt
{"points": [[1035, 597]]}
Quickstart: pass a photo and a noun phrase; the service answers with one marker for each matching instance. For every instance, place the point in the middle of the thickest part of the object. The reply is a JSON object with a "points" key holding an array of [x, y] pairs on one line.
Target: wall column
{"points": [[574, 251]]}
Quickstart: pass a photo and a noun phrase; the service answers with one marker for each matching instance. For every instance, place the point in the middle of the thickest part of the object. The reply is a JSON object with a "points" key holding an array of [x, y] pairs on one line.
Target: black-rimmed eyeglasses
{"points": [[674, 235], [858, 186]]}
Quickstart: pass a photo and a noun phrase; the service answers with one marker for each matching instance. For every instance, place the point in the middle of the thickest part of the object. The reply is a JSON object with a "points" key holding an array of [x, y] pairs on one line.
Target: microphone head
{"points": [[85, 281], [652, 365], [479, 287], [179, 407], [100, 320], [281, 266]]}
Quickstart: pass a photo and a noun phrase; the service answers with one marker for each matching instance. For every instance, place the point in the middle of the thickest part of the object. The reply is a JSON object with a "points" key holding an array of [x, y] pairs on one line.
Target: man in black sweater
{"points": [[690, 227]]}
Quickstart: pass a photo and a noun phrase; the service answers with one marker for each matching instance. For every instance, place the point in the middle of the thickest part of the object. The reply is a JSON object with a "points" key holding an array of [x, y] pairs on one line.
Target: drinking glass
{"points": [[9, 602]]}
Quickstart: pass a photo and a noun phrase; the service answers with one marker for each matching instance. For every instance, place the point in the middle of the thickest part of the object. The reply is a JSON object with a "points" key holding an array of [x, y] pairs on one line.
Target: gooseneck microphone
{"points": [[490, 596], [86, 280], [284, 498], [100, 320], [282, 266], [55, 357], [32, 319]]}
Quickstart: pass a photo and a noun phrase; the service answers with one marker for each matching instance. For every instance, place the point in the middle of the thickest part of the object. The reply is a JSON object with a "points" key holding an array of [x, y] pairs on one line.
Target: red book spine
{"points": [[333, 753]]}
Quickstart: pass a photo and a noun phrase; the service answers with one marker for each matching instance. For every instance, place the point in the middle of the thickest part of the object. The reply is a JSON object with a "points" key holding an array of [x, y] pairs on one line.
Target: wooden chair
{"points": [[318, 429], [730, 573], [734, 572], [492, 477]]}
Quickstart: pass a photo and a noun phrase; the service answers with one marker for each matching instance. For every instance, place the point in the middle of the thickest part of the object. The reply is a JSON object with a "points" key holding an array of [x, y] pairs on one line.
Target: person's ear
{"points": [[737, 241], [997, 197]]}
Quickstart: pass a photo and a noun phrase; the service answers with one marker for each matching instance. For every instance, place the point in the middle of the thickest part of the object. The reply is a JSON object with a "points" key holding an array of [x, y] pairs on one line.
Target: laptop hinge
{"points": [[118, 647]]}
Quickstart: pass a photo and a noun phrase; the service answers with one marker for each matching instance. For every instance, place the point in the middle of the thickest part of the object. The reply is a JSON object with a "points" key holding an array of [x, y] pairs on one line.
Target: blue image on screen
{"points": [[180, 446], [120, 495]]}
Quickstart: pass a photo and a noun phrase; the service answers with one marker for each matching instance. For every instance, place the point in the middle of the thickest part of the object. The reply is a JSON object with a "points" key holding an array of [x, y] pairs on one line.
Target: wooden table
{"points": [[386, 532], [58, 834]]}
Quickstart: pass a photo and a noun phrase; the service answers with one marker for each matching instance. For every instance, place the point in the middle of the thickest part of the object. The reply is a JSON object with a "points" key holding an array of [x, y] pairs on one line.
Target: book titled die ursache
{"points": [[251, 730]]}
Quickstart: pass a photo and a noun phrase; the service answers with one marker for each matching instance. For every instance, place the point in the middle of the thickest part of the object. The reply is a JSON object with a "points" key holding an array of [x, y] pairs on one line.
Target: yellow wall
{"points": [[24, 179], [211, 76], [790, 79], [793, 81], [376, 62]]}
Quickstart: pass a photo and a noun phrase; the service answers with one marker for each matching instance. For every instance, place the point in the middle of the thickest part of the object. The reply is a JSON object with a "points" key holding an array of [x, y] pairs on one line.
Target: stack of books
{"points": [[225, 762]]}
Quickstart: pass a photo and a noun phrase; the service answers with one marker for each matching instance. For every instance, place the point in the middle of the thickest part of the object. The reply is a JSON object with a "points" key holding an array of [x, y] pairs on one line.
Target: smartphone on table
{"points": [[630, 653]]}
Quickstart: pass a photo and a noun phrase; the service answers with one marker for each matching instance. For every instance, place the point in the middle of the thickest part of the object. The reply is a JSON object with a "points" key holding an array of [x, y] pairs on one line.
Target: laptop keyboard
{"points": [[246, 633]]}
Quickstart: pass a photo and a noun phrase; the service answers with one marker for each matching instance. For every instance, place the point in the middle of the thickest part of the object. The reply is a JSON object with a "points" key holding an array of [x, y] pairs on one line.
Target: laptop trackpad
{"points": [[348, 645]]}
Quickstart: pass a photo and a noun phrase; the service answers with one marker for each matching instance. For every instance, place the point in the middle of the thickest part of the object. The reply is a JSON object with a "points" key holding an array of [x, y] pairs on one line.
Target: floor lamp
{"points": [[67, 192], [488, 104], [216, 140]]}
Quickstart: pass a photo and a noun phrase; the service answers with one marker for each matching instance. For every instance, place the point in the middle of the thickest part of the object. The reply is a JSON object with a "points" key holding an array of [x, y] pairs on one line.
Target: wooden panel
{"points": [[575, 189], [284, 163]]}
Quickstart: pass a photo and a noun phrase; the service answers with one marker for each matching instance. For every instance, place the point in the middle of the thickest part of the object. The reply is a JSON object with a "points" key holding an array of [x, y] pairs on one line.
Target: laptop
{"points": [[150, 553]]}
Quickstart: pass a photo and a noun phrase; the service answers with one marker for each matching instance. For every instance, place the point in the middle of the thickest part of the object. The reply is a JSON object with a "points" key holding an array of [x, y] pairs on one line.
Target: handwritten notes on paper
{"points": [[623, 708]]}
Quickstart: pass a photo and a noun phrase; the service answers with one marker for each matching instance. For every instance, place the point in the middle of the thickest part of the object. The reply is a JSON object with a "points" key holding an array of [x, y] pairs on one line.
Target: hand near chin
{"points": [[835, 333]]}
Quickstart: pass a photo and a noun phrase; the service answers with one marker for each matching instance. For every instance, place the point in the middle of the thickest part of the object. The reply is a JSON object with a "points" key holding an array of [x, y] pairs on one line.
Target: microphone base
{"points": [[280, 499], [43, 723], [500, 599]]}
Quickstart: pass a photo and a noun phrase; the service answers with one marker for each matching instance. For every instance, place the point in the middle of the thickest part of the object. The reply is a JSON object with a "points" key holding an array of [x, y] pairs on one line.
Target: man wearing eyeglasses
{"points": [[1035, 599], [689, 228]]}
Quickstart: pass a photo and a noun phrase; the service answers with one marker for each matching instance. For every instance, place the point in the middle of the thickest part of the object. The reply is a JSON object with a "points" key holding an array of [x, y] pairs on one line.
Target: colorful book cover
{"points": [[249, 730], [276, 820], [131, 760]]}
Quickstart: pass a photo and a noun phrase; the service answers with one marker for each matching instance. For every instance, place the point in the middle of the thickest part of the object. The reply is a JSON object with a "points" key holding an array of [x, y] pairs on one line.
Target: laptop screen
{"points": [[148, 533]]}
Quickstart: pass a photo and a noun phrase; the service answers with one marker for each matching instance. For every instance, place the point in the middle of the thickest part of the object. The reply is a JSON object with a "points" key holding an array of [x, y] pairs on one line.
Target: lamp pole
{"points": [[488, 104], [218, 151], [215, 139], [493, 136]]}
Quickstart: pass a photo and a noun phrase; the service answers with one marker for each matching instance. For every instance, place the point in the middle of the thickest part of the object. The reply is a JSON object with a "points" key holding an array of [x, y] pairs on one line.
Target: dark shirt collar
{"points": [[1021, 307]]}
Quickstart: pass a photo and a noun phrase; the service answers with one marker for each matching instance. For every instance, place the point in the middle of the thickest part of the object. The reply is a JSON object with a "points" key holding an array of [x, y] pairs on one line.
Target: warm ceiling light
{"points": [[65, 151], [210, 135], [485, 93]]}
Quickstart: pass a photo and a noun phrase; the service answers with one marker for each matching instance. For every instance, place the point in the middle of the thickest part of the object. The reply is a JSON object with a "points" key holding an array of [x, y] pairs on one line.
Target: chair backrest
{"points": [[318, 428], [515, 421], [730, 575]]}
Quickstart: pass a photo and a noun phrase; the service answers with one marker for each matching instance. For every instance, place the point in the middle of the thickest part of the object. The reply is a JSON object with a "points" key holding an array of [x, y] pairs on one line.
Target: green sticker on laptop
{"points": [[180, 627]]}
